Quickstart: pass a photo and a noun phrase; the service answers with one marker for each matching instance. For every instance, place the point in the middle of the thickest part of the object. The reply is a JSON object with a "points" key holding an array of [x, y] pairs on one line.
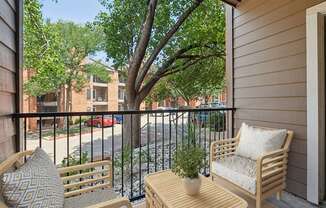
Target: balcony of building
{"points": [[100, 96], [122, 81]]}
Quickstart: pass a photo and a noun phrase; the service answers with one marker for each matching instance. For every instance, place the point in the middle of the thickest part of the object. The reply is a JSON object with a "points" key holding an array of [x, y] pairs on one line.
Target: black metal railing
{"points": [[79, 137]]}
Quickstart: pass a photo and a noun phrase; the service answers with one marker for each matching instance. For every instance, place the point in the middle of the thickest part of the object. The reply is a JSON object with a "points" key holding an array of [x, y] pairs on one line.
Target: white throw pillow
{"points": [[255, 142]]}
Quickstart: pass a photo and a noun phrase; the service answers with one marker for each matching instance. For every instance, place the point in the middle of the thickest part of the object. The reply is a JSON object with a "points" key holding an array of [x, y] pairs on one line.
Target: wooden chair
{"points": [[271, 168], [81, 180]]}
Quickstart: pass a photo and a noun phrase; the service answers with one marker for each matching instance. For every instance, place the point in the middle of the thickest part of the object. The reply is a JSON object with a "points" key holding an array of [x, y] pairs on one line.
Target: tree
{"points": [[55, 52], [201, 81], [160, 92], [173, 35], [79, 42], [42, 52]]}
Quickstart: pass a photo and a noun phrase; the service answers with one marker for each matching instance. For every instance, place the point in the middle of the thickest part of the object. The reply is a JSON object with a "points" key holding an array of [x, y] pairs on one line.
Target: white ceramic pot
{"points": [[191, 186]]}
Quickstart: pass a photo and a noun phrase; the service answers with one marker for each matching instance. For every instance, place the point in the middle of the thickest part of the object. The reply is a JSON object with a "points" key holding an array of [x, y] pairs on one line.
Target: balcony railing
{"points": [[79, 137]]}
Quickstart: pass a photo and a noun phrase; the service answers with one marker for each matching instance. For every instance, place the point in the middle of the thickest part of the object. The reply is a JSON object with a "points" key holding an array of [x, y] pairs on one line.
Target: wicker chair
{"points": [[90, 188], [271, 168]]}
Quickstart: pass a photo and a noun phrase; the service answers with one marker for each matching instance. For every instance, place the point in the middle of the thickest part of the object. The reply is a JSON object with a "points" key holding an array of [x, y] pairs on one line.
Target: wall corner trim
{"points": [[315, 103]]}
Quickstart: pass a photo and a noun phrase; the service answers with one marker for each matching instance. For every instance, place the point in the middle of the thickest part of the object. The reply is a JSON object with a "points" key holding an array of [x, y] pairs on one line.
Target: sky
{"points": [[78, 11]]}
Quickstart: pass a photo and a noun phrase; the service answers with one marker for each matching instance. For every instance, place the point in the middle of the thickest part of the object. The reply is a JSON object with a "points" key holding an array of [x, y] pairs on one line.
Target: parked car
{"points": [[166, 113], [97, 121], [216, 105], [118, 119], [214, 119]]}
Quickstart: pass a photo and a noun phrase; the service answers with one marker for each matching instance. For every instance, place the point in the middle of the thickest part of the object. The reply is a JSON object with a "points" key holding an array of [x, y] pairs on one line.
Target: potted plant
{"points": [[188, 160]]}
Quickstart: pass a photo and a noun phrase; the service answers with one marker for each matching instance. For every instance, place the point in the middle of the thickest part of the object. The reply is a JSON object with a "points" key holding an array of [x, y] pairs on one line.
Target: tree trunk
{"points": [[69, 98], [188, 103], [206, 98], [60, 107], [132, 125]]}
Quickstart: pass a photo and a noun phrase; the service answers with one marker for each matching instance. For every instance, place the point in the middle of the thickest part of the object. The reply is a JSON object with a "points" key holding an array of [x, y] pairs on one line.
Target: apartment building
{"points": [[98, 95]]}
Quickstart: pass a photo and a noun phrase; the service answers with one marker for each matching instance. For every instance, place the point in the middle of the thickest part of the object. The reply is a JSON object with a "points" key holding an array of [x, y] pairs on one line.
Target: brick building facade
{"points": [[96, 96]]}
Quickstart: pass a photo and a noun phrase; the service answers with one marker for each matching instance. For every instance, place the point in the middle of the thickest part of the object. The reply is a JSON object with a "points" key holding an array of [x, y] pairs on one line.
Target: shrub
{"points": [[126, 151], [217, 121], [82, 120], [188, 160]]}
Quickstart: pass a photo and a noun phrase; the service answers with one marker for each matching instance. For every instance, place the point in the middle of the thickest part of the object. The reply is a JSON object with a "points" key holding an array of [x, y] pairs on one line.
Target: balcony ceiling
{"points": [[233, 3]]}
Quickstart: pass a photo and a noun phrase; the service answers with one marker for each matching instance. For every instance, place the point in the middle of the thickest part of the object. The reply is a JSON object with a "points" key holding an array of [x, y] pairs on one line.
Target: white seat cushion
{"points": [[238, 170], [255, 142], [90, 198]]}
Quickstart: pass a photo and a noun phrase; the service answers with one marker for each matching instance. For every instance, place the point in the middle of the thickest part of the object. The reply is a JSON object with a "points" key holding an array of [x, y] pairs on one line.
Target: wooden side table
{"points": [[165, 190]]}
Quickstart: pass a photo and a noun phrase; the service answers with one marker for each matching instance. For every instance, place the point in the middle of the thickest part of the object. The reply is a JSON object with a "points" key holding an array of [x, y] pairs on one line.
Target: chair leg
{"points": [[258, 203], [279, 195]]}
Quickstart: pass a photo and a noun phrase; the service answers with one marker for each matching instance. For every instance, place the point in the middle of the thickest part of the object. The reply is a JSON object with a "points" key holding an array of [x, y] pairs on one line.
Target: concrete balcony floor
{"points": [[288, 200]]}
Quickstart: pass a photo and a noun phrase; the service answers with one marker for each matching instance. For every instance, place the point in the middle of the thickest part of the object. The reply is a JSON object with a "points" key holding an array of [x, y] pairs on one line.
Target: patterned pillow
{"points": [[36, 184]]}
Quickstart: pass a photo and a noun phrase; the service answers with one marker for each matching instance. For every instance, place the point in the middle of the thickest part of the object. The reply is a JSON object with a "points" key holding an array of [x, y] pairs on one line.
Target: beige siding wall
{"points": [[8, 74], [269, 77]]}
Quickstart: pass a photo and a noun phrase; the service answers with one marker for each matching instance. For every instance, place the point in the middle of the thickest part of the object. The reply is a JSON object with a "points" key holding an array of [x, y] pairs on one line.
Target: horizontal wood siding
{"points": [[8, 72], [269, 74]]}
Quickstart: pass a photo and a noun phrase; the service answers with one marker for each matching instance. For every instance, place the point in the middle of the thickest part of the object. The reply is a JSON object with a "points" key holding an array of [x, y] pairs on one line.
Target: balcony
{"points": [[97, 82], [100, 96], [274, 79], [85, 139], [100, 101]]}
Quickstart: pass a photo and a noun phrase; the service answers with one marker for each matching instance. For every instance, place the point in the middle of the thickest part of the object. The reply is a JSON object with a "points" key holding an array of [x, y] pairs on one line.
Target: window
{"points": [[88, 94], [121, 94], [94, 94], [120, 107]]}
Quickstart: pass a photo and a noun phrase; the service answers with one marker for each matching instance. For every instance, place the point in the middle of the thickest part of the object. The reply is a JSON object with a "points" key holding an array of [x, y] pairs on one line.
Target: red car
{"points": [[97, 121]]}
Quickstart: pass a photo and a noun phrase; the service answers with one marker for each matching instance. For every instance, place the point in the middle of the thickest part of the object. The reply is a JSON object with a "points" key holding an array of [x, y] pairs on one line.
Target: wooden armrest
{"points": [[84, 166], [271, 170], [223, 141], [3, 205], [223, 148], [114, 203]]}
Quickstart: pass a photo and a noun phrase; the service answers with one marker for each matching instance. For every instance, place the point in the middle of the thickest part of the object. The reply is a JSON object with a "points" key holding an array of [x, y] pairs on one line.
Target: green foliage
{"points": [[55, 53], [122, 22], [42, 52], [160, 92], [121, 28], [187, 161], [201, 35], [216, 121], [97, 69], [203, 80], [126, 162], [81, 120], [80, 41]]}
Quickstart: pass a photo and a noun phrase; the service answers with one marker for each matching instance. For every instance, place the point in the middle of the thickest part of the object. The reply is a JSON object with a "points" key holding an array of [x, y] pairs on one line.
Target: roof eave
{"points": [[233, 3]]}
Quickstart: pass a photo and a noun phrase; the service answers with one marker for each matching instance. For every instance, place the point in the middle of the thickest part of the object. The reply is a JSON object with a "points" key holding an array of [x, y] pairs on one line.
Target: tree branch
{"points": [[165, 72], [142, 43], [165, 40], [188, 58]]}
